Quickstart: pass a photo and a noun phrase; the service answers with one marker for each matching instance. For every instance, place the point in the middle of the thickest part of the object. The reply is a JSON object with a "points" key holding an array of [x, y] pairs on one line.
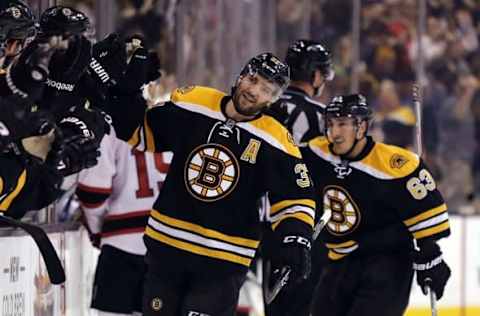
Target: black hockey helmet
{"points": [[16, 21], [271, 68], [61, 20], [352, 105], [306, 56]]}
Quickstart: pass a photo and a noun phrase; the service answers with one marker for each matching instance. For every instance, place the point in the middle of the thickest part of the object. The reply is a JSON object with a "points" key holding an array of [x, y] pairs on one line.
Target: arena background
{"points": [[380, 48]]}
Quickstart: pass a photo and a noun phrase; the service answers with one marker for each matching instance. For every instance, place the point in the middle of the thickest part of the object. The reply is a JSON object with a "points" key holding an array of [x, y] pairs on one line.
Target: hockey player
{"points": [[33, 168], [40, 146], [381, 198], [69, 61], [116, 197], [26, 77], [311, 67], [203, 231]]}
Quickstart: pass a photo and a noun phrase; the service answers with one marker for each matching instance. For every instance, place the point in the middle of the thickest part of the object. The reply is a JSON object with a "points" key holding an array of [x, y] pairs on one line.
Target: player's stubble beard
{"points": [[251, 111]]}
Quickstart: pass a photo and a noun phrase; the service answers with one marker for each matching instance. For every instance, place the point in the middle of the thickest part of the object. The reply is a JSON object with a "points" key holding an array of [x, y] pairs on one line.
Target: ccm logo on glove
{"points": [[297, 239]]}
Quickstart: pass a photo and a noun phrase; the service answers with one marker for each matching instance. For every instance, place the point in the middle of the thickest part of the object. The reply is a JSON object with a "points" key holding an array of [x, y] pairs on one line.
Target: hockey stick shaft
{"points": [[283, 280], [418, 123], [433, 300], [419, 149], [52, 262]]}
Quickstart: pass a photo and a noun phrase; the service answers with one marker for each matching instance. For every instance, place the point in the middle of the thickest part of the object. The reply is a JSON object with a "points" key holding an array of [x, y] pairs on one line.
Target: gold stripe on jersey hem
{"points": [[135, 139], [202, 231], [431, 230], [199, 250], [7, 201], [277, 207], [335, 256], [300, 216], [341, 245], [425, 215], [149, 138], [199, 240]]}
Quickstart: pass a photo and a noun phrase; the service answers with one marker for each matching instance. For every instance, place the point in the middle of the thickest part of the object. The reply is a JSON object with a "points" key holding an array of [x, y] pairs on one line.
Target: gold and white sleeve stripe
{"points": [[341, 250], [202, 241], [301, 209], [429, 223]]}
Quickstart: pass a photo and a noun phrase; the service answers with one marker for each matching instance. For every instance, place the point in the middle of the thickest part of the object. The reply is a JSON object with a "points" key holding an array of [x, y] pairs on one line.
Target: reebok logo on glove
{"points": [[297, 239], [102, 74], [60, 86]]}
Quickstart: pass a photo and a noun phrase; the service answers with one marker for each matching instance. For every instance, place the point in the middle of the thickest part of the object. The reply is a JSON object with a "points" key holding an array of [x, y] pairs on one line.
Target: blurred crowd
{"points": [[388, 54], [203, 41]]}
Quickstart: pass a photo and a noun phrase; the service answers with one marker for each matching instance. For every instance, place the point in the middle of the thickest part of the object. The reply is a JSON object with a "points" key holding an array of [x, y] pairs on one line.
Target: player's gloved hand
{"points": [[27, 74], [109, 61], [78, 153], [39, 123], [72, 154], [88, 122], [295, 253], [143, 67], [67, 66], [431, 270], [65, 70]]}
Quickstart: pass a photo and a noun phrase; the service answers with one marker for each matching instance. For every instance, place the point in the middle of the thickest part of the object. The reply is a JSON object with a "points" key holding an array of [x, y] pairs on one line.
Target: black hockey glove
{"points": [[109, 61], [143, 67], [27, 74], [65, 70], [87, 122], [72, 154], [295, 253], [67, 66], [39, 123], [431, 270]]}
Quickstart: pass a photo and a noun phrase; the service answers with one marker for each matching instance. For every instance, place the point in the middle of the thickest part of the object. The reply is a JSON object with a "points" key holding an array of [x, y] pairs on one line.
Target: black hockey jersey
{"points": [[384, 186], [26, 185], [300, 114], [207, 210]]}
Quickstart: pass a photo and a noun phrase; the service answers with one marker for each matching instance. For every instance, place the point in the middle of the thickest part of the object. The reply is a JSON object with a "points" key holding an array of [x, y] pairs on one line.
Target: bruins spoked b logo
{"points": [[211, 172], [345, 213]]}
